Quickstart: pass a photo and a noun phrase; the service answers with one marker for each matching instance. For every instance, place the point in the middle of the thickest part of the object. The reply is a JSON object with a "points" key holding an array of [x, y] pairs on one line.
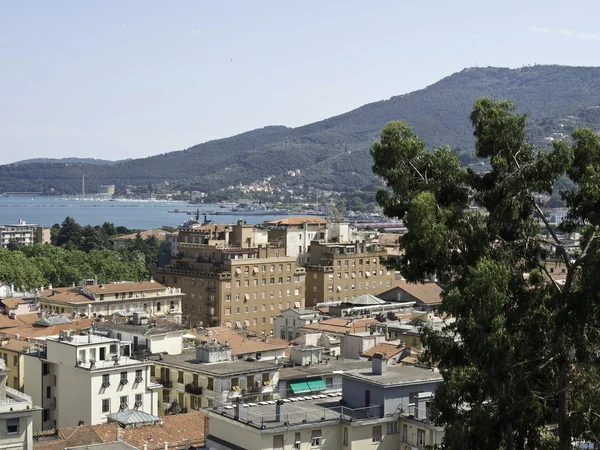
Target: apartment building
{"points": [[200, 377], [16, 416], [85, 378], [94, 299], [296, 233], [338, 272], [234, 277], [384, 408], [289, 321], [23, 233]]}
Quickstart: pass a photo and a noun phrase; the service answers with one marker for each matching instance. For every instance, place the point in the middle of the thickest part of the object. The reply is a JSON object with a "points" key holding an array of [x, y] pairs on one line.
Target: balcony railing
{"points": [[191, 388]]}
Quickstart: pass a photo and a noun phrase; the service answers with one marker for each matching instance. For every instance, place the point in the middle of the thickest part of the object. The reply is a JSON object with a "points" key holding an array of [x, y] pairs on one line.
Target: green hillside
{"points": [[334, 153]]}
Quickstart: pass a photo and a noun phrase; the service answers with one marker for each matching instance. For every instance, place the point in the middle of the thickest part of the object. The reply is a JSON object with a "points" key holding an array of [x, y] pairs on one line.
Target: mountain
{"points": [[334, 153], [91, 161]]}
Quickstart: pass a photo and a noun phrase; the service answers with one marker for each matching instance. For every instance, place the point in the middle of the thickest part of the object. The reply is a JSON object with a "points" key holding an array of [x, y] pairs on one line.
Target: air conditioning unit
{"points": [[124, 381], [138, 379], [138, 404], [105, 384], [123, 407]]}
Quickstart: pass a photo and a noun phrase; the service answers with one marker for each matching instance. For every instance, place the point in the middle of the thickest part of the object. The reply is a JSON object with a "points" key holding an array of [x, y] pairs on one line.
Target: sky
{"points": [[115, 80]]}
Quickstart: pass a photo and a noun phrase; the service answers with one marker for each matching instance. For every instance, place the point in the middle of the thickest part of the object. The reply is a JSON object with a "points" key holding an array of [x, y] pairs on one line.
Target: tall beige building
{"points": [[233, 276], [341, 271]]}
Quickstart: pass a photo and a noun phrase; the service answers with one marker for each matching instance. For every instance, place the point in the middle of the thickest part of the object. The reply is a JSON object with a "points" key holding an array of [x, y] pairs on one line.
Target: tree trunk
{"points": [[564, 406]]}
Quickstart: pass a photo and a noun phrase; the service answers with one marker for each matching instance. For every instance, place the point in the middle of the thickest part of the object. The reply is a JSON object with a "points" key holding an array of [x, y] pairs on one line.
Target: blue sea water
{"points": [[47, 211]]}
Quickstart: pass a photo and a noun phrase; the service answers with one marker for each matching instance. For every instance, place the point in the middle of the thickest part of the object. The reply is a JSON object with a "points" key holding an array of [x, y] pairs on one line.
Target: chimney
{"points": [[278, 410], [379, 363], [166, 446], [239, 402]]}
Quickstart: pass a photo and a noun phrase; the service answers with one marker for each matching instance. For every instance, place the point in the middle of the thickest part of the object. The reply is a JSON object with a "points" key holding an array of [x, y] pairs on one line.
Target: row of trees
{"points": [[77, 253], [524, 350]]}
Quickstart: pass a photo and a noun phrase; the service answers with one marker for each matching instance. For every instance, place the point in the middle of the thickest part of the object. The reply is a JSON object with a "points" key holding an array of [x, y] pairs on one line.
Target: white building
{"points": [[16, 416], [84, 378], [289, 322], [145, 338], [23, 233]]}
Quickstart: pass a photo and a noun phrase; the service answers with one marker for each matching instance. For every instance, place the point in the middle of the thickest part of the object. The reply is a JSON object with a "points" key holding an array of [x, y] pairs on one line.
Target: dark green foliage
{"points": [[523, 351], [333, 153]]}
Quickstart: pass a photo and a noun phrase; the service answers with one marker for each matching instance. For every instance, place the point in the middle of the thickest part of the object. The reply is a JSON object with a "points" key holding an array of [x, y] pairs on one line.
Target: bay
{"points": [[132, 214]]}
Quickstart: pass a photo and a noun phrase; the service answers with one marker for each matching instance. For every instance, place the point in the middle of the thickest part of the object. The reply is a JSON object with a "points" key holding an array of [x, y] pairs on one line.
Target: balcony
{"points": [[167, 384], [211, 302], [191, 388]]}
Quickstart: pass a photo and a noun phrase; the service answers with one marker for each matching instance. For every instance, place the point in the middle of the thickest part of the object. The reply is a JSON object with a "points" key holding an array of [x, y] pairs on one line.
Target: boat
{"points": [[259, 210]]}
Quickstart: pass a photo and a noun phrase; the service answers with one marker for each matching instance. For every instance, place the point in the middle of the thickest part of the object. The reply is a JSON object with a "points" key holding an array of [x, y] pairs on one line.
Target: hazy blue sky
{"points": [[127, 79]]}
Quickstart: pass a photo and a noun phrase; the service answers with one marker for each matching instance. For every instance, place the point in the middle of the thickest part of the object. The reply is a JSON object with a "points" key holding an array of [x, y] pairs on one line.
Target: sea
{"points": [[133, 214]]}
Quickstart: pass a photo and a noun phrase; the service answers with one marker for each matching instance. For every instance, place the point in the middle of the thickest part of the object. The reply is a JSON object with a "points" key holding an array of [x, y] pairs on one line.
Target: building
{"points": [[338, 272], [233, 277], [146, 337], [289, 321], [296, 233], [337, 326], [384, 408], [86, 378], [16, 416], [94, 299], [23, 233], [198, 378], [425, 296]]}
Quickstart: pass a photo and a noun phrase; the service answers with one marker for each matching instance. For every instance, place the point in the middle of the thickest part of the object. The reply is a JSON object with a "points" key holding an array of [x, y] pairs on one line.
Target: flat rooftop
{"points": [[138, 329], [187, 360], [396, 375], [333, 366], [297, 411], [85, 339]]}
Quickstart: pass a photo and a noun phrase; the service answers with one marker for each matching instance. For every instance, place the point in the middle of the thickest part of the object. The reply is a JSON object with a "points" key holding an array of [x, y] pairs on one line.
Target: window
{"points": [[345, 438], [421, 437], [124, 378], [12, 426], [392, 427], [46, 415], [376, 434], [329, 382], [46, 369], [404, 432], [105, 380], [237, 309], [278, 442], [124, 402], [255, 308], [105, 405], [158, 306], [227, 297], [138, 400], [316, 438], [15, 360], [272, 280], [180, 376], [48, 392], [210, 384], [297, 441], [228, 311]]}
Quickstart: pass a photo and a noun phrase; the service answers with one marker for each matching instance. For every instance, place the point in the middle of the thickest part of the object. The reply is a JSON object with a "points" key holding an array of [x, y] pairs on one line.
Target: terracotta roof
{"points": [[19, 321], [341, 326], [389, 239], [13, 344], [65, 294], [35, 332], [112, 288], [12, 302], [175, 430], [428, 293], [70, 437], [298, 220], [157, 233], [390, 350], [241, 344]]}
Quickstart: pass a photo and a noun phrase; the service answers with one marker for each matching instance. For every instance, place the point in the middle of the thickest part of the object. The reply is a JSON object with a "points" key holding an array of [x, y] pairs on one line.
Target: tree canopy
{"points": [[521, 350]]}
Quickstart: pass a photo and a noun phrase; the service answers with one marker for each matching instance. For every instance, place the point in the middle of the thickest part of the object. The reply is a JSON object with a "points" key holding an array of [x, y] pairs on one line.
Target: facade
{"points": [[86, 378], [231, 279], [296, 233], [208, 374], [101, 300], [289, 322], [338, 272], [383, 408], [16, 416], [23, 233], [11, 352], [145, 337]]}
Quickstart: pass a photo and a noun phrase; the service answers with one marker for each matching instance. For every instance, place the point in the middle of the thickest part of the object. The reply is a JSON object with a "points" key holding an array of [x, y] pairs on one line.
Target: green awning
{"points": [[299, 387], [316, 384]]}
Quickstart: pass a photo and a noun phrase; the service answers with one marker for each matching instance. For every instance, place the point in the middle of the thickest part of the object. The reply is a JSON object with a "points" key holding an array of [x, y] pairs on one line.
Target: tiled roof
{"points": [[340, 326], [70, 437], [175, 429], [12, 302], [390, 350], [242, 344], [112, 288], [35, 332], [298, 220], [428, 293], [65, 294], [19, 321]]}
